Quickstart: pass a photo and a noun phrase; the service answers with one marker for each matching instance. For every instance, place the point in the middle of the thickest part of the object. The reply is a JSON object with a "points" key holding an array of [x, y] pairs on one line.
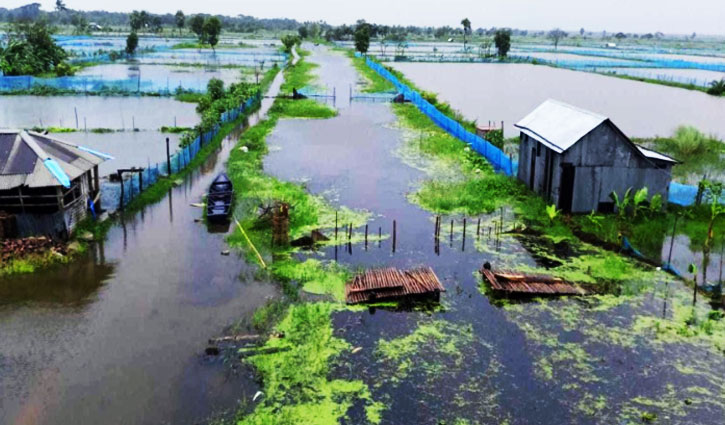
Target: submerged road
{"points": [[118, 336]]}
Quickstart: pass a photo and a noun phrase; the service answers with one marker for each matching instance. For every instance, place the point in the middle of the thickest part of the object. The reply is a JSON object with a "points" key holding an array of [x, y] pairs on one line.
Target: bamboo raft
{"points": [[516, 283], [390, 283]]}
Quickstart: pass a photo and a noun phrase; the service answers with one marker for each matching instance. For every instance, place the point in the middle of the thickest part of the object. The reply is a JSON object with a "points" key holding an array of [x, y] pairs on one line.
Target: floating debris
{"points": [[390, 283], [516, 283]]}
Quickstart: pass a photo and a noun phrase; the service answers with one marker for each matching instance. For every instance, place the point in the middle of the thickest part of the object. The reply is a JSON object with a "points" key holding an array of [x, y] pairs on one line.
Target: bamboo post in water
{"points": [[366, 237], [478, 228], [672, 241], [335, 225], [380, 236], [75, 109], [463, 248], [395, 234]]}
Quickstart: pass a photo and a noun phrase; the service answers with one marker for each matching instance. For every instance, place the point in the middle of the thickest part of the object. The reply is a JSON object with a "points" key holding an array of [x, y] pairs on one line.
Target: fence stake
{"points": [[366, 237], [672, 242], [464, 234], [335, 225], [395, 234], [380, 236], [75, 109], [168, 158]]}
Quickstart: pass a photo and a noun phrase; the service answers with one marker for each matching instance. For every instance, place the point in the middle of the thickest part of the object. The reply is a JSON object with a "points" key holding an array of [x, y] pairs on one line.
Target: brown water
{"points": [[145, 113], [509, 92], [118, 336], [358, 159]]}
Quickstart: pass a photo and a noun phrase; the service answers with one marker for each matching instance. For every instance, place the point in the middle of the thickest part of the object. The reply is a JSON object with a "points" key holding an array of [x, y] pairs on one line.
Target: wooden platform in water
{"points": [[390, 284], [515, 283]]}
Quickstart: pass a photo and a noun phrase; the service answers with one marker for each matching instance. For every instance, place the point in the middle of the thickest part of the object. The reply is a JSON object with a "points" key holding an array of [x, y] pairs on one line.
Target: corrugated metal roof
{"points": [[559, 125], [649, 153], [22, 154]]}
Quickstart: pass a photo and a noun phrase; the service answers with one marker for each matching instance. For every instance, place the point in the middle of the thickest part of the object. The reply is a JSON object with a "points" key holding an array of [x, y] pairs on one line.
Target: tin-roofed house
{"points": [[46, 184], [575, 159]]}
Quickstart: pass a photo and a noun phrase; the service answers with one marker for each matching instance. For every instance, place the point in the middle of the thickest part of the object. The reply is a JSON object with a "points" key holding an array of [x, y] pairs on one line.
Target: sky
{"points": [[668, 16]]}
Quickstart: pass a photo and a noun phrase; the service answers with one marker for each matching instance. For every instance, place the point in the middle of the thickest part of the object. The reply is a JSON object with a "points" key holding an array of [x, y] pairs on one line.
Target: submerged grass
{"points": [[295, 368], [296, 384], [374, 82]]}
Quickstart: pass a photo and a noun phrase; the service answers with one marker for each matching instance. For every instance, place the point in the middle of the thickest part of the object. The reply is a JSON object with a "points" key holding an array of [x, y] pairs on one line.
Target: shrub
{"points": [[63, 69], [717, 88]]}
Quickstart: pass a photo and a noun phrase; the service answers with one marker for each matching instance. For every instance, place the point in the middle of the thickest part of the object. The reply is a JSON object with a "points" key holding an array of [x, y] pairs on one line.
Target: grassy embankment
{"points": [[157, 191], [297, 388]]}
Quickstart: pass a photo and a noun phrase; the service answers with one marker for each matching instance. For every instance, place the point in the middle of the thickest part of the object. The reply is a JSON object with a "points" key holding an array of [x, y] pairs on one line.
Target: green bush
{"points": [[717, 88], [63, 69]]}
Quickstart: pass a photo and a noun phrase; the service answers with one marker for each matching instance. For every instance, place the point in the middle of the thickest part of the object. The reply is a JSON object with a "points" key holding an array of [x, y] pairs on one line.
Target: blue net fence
{"points": [[99, 84], [117, 195], [500, 161]]}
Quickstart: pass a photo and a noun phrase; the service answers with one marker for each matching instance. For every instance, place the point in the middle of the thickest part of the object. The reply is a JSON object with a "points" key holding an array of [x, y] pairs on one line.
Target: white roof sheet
{"points": [[649, 153], [559, 125]]}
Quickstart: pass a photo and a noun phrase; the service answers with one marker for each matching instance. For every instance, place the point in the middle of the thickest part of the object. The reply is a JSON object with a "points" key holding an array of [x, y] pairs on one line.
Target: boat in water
{"points": [[219, 199]]}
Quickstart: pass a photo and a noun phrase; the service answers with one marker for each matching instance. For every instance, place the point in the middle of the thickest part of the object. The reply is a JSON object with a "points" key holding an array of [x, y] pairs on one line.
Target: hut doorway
{"points": [[566, 192]]}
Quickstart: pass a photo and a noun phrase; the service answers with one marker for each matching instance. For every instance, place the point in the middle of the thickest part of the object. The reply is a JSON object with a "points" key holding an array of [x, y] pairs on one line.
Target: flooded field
{"points": [[565, 361], [639, 109], [114, 337], [128, 148], [145, 113], [155, 78]]}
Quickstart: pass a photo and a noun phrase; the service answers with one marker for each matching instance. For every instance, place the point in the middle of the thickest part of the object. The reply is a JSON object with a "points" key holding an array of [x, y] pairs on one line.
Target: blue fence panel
{"points": [[493, 154]]}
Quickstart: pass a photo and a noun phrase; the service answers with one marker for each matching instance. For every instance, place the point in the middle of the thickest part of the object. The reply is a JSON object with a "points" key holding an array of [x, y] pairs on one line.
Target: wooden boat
{"points": [[219, 199], [511, 283]]}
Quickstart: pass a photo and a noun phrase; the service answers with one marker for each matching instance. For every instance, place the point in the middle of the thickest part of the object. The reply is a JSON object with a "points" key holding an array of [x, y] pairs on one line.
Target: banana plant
{"points": [[552, 212], [638, 201], [622, 204]]}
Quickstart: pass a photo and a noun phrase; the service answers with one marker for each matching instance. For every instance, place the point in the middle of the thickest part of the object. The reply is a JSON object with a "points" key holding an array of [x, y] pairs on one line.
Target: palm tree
{"points": [[717, 88], [466, 30]]}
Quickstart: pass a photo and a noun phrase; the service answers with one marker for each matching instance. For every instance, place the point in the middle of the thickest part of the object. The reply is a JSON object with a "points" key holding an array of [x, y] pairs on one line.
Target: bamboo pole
{"points": [[259, 257]]}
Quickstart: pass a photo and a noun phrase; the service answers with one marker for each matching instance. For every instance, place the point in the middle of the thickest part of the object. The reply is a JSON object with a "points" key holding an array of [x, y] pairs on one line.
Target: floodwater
{"points": [[509, 92], [695, 76], [154, 78], [128, 148], [119, 336], [359, 159], [145, 113]]}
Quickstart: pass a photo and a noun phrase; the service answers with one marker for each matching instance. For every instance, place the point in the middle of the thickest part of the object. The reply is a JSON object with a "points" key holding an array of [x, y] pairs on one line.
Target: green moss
{"points": [[302, 108], [296, 384], [426, 350], [314, 276]]}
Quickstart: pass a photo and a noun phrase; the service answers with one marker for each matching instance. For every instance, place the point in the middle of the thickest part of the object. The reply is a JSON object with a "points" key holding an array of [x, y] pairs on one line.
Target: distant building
{"points": [[576, 158], [46, 184], [95, 27]]}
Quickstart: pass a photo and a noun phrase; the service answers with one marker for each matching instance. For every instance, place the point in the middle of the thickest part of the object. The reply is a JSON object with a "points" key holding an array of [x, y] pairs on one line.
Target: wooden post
{"points": [[464, 234], [672, 242], [335, 225], [395, 234], [120, 178], [380, 237], [478, 228], [168, 158], [133, 123], [140, 182], [366, 237], [76, 112]]}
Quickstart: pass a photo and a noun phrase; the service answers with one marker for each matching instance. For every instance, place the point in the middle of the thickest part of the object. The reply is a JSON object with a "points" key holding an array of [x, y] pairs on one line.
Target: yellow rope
{"points": [[259, 257]]}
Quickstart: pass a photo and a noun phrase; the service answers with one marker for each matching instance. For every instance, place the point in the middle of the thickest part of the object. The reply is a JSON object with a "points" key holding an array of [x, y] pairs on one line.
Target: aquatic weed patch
{"points": [[296, 383], [598, 347]]}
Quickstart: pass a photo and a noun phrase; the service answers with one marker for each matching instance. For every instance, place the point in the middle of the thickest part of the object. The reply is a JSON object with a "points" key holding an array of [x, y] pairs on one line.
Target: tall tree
{"points": [[466, 30], [136, 21], [556, 35], [362, 37], [60, 6], [180, 20], [211, 30], [131, 43], [197, 26], [502, 39]]}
